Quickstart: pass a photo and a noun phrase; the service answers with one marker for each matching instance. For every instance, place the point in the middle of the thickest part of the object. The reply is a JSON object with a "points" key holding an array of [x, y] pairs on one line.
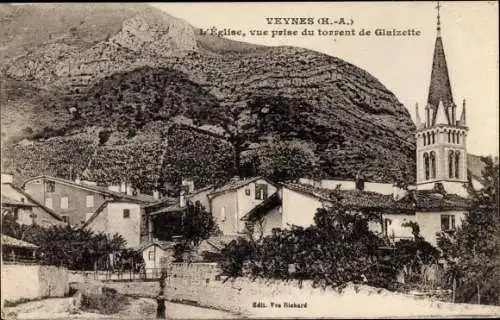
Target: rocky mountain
{"points": [[97, 89]]}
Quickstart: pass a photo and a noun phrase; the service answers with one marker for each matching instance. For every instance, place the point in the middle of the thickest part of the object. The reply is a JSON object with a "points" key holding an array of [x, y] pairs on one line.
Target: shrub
{"points": [[108, 302]]}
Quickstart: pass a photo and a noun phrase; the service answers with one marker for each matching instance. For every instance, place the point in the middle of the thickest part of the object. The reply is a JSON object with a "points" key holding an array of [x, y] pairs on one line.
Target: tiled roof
{"points": [[172, 208], [352, 198], [100, 189], [233, 185], [415, 200], [427, 200], [13, 242], [220, 242]]}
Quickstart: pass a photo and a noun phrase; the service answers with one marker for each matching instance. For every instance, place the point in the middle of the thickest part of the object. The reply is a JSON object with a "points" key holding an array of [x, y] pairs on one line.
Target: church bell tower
{"points": [[441, 137]]}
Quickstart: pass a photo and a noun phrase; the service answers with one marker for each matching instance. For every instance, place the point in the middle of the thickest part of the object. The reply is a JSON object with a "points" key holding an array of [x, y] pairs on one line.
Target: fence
{"points": [[151, 274]]}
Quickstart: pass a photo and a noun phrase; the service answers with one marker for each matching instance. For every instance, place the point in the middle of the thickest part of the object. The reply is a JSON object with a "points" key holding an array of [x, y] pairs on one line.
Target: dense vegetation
{"points": [[473, 250], [75, 249]]}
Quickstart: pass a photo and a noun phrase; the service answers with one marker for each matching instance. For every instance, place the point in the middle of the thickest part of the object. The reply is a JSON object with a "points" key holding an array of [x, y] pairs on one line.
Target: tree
{"points": [[472, 253], [249, 121], [196, 225]]}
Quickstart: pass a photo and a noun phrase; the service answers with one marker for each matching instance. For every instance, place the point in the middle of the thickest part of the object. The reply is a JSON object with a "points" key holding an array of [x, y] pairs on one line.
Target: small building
{"points": [[15, 250], [156, 254], [77, 200], [118, 216], [25, 209]]}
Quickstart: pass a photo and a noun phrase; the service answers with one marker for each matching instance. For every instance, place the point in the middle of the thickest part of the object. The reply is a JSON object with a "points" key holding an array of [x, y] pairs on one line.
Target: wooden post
{"points": [[478, 295], [454, 288]]}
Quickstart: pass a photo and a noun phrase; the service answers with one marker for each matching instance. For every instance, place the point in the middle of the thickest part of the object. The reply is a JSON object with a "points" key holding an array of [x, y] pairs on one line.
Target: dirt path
{"points": [[141, 308]]}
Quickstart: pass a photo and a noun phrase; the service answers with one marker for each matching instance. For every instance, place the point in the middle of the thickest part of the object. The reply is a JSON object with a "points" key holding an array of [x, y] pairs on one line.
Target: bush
{"points": [[108, 302]]}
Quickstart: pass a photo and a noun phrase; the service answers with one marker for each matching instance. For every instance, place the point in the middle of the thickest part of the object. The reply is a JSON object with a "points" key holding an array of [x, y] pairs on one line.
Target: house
{"points": [[232, 201], [122, 216], [15, 250], [76, 201], [296, 204], [24, 208], [161, 219]]}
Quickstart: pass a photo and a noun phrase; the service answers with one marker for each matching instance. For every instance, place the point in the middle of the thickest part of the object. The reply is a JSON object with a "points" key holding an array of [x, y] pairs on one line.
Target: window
{"points": [[260, 191], [151, 255], [425, 140], [126, 213], [89, 201], [458, 138], [449, 136], [50, 186], [447, 222], [450, 164], [48, 203], [15, 213], [457, 164], [433, 165], [247, 191], [223, 214], [433, 138], [426, 166], [64, 202], [453, 137]]}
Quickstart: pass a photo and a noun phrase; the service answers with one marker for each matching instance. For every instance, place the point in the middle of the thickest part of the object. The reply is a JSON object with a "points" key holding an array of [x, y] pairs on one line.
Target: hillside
{"points": [[131, 69]]}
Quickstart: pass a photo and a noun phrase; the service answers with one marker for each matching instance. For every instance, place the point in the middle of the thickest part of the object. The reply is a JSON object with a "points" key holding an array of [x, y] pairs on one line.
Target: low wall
{"points": [[201, 283], [32, 282]]}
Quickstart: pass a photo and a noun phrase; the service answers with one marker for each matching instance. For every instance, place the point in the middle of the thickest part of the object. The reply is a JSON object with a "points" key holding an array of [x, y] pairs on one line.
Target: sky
{"points": [[403, 64]]}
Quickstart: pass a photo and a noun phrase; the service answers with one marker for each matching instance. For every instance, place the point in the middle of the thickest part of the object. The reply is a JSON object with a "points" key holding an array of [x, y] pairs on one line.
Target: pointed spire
{"points": [[462, 117], [440, 87], [418, 121]]}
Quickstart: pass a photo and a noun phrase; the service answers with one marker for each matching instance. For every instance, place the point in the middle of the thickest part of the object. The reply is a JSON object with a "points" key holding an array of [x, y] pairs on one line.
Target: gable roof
{"points": [[97, 189], [104, 205], [430, 200], [31, 200], [236, 184], [171, 201], [13, 242], [164, 245]]}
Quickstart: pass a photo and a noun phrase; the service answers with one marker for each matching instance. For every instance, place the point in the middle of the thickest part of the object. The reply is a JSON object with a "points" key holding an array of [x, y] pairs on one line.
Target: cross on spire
{"points": [[438, 18]]}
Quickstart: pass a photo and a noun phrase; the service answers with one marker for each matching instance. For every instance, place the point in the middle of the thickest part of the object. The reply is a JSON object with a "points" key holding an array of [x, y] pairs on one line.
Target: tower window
{"points": [[433, 138], [458, 138], [426, 165], [457, 165], [450, 164], [425, 140], [449, 136], [433, 165], [453, 137]]}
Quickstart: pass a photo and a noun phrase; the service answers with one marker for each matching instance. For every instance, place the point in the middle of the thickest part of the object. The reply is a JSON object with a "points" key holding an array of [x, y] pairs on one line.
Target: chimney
{"points": [[360, 183], [156, 194], [182, 199], [188, 185], [130, 190], [123, 187], [7, 178]]}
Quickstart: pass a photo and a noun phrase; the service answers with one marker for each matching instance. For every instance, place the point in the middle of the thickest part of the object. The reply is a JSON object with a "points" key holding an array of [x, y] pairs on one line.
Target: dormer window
{"points": [[260, 191]]}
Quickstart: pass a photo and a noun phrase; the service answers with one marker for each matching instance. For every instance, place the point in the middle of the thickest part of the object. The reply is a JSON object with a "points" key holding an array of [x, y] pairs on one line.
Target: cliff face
{"points": [[129, 70]]}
